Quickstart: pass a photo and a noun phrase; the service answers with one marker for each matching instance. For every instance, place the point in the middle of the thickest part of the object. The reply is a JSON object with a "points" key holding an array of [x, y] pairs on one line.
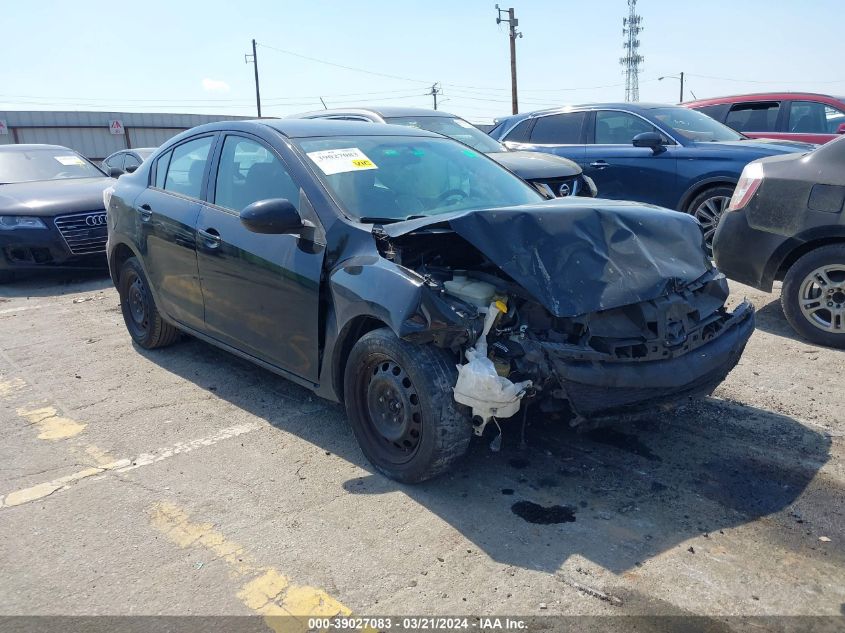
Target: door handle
{"points": [[211, 237], [146, 211], [600, 164]]}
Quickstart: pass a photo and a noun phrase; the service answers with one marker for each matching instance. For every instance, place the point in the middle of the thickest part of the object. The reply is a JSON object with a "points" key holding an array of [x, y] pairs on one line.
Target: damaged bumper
{"points": [[613, 388]]}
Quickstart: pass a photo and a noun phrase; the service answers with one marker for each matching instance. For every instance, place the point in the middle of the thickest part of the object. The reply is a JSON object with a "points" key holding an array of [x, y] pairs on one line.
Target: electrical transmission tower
{"points": [[632, 25]]}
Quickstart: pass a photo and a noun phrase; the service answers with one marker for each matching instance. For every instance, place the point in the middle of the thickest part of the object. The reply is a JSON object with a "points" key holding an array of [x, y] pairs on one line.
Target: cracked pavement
{"points": [[187, 481]]}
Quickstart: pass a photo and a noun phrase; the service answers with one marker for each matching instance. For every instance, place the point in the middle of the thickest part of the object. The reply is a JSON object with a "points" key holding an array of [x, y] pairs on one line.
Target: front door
{"points": [[261, 291], [168, 212], [624, 172]]}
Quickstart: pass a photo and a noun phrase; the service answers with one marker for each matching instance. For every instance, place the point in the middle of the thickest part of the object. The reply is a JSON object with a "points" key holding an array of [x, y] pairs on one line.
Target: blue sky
{"points": [[188, 55]]}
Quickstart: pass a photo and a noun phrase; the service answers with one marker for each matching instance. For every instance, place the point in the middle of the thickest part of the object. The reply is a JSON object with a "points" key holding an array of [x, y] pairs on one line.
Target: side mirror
{"points": [[130, 169], [652, 140], [116, 172], [274, 216], [841, 129]]}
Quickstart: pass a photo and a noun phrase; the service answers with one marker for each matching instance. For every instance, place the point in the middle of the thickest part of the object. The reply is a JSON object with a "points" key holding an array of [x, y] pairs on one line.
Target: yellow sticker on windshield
{"points": [[338, 161]]}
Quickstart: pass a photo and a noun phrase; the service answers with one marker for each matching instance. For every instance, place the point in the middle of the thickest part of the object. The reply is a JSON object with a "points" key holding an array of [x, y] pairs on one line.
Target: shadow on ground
{"points": [[629, 493], [56, 283]]}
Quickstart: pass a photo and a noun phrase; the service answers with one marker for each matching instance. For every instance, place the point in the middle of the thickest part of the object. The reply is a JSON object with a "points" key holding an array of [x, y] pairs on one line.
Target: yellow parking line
{"points": [[51, 425], [268, 591], [9, 387]]}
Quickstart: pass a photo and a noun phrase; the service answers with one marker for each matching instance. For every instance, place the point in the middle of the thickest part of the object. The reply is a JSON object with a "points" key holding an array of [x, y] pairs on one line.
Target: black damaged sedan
{"points": [[416, 281], [51, 210]]}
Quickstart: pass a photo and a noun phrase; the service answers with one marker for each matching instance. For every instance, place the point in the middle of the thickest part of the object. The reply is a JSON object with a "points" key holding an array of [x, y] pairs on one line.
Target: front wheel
{"points": [[399, 401], [813, 296], [708, 207]]}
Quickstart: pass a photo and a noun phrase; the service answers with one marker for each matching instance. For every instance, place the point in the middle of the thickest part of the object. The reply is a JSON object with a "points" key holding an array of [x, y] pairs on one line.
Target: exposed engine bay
{"points": [[614, 361]]}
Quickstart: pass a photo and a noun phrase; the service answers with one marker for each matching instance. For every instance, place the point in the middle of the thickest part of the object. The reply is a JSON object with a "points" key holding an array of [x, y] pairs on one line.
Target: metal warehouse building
{"points": [[95, 135]]}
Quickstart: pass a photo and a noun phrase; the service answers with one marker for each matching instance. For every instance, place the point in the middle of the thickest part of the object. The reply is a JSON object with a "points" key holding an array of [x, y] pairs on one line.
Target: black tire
{"points": [[399, 401], [142, 318], [803, 281], [708, 207]]}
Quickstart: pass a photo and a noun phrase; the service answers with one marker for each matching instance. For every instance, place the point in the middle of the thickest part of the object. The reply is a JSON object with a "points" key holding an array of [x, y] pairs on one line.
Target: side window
{"points": [[519, 134], [249, 172], [187, 167], [115, 161], [619, 128], [558, 129], [716, 111], [759, 116], [810, 117], [131, 161], [161, 168]]}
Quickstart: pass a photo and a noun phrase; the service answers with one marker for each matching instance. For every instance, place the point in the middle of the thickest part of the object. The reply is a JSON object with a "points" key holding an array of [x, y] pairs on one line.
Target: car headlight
{"points": [[12, 222]]}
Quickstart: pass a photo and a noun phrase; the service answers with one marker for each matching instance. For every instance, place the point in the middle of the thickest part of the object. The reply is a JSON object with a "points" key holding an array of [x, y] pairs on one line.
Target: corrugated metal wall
{"points": [[88, 132]]}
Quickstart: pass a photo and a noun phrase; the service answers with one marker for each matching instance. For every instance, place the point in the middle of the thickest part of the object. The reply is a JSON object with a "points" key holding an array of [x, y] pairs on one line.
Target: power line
{"points": [[353, 68]]}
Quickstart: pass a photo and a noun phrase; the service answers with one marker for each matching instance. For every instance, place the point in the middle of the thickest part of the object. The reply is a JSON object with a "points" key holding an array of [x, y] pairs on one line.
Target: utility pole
{"points": [[681, 78], [254, 61], [513, 34], [435, 90], [682, 87], [631, 28]]}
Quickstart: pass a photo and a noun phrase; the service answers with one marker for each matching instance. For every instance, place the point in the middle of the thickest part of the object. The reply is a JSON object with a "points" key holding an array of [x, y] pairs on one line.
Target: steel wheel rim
{"points": [[822, 298], [391, 409], [136, 304], [708, 214]]}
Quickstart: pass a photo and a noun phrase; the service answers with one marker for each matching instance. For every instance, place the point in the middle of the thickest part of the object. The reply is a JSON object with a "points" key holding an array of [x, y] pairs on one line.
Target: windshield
{"points": [[694, 126], [452, 127], [391, 178], [44, 164]]}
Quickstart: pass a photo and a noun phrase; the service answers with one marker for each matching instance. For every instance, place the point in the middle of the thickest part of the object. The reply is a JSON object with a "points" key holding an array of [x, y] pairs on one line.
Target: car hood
{"points": [[759, 146], [535, 165], [577, 256], [53, 197]]}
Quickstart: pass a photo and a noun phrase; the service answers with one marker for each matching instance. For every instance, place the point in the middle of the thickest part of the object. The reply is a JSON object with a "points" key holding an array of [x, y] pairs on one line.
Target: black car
{"points": [[554, 175], [51, 210], [366, 262], [126, 161], [787, 222]]}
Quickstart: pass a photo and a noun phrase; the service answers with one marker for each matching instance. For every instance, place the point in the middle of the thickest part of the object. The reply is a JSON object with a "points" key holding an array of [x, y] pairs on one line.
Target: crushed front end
{"points": [[599, 312]]}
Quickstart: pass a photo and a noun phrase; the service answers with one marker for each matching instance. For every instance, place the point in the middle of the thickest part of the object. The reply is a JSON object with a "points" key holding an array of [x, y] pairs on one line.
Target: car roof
{"points": [[382, 111], [616, 105], [23, 147], [304, 128], [765, 96]]}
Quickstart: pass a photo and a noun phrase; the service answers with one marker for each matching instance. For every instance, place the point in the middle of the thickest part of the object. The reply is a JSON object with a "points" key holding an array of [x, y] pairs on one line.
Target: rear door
{"points": [[560, 134], [261, 291], [624, 172], [167, 212]]}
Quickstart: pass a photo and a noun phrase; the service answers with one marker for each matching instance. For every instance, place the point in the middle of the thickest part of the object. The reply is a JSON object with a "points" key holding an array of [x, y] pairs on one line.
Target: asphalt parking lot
{"points": [[186, 481]]}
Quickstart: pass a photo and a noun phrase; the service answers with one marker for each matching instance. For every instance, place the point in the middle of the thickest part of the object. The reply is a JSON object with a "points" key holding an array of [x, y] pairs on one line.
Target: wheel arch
{"points": [[351, 333], [118, 254], [781, 262], [703, 185]]}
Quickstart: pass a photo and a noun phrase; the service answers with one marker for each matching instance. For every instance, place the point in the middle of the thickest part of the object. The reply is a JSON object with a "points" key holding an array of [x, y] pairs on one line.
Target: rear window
{"points": [[558, 129], [520, 133]]}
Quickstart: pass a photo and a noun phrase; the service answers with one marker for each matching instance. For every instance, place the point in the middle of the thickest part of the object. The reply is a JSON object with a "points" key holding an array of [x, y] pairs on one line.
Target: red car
{"points": [[797, 116]]}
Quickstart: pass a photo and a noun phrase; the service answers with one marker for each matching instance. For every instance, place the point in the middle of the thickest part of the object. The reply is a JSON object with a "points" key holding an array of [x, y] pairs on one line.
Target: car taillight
{"points": [[749, 182]]}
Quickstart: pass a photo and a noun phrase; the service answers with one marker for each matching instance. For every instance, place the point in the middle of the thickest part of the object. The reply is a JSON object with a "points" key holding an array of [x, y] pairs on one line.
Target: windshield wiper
{"points": [[376, 220]]}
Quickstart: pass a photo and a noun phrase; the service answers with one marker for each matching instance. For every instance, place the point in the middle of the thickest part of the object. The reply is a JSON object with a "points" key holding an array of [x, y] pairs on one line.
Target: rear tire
{"points": [[813, 296], [708, 207], [399, 401], [142, 318]]}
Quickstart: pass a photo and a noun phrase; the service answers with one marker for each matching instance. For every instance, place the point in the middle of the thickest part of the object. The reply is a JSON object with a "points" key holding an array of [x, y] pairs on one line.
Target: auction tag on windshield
{"points": [[338, 161], [70, 160]]}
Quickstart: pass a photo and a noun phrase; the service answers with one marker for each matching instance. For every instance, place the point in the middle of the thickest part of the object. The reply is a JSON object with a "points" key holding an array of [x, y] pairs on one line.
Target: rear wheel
{"points": [[140, 313], [399, 402], [708, 207], [813, 296]]}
